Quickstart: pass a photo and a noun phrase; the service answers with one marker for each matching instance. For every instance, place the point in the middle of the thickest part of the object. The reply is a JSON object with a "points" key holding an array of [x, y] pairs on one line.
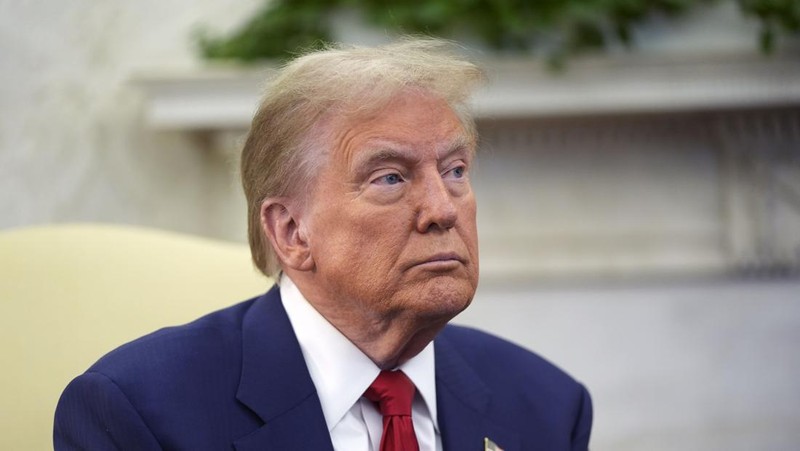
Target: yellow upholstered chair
{"points": [[71, 293]]}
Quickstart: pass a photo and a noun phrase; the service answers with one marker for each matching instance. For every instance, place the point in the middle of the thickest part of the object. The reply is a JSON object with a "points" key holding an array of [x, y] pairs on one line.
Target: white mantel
{"points": [[225, 97]]}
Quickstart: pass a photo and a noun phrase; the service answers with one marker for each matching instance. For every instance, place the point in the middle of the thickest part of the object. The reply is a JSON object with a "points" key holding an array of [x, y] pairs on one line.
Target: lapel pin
{"points": [[489, 445]]}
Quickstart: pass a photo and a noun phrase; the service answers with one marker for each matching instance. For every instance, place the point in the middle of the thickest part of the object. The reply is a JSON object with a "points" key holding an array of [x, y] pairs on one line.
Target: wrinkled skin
{"points": [[387, 246]]}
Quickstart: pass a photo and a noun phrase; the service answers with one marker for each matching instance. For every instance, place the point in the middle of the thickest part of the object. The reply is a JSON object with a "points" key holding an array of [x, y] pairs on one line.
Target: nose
{"points": [[437, 208]]}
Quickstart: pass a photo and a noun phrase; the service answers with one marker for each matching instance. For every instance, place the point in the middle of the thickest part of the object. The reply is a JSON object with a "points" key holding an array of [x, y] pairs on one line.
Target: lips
{"points": [[442, 260], [444, 256]]}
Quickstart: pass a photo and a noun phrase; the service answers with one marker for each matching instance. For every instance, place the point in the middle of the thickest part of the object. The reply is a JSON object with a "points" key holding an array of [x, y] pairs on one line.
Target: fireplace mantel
{"points": [[223, 98]]}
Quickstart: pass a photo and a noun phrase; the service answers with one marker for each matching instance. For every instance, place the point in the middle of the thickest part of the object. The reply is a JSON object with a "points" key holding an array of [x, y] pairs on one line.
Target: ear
{"points": [[286, 235]]}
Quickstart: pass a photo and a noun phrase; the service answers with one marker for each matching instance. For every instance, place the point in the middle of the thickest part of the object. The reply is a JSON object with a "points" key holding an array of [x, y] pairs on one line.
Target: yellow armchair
{"points": [[71, 293]]}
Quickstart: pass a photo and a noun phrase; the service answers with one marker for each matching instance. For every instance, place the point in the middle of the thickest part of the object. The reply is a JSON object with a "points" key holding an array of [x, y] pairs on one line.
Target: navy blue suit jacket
{"points": [[236, 379]]}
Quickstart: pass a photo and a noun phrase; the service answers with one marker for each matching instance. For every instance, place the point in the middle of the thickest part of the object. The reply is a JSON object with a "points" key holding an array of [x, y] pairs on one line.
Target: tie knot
{"points": [[394, 393]]}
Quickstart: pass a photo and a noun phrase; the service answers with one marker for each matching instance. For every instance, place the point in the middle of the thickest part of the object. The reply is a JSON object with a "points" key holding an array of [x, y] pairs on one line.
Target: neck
{"points": [[388, 340], [393, 346]]}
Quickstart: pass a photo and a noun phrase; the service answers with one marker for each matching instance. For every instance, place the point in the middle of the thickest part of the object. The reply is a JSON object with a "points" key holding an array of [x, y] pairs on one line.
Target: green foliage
{"points": [[280, 28], [554, 28], [776, 16]]}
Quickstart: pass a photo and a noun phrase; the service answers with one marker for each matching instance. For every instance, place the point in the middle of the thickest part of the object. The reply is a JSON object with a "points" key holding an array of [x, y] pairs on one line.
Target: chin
{"points": [[443, 299]]}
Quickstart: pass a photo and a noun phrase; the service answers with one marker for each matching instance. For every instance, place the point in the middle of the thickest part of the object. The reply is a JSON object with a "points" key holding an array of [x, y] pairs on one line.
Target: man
{"points": [[356, 172]]}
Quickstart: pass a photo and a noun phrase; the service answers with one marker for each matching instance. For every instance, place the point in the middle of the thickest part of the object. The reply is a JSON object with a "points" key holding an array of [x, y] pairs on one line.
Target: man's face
{"points": [[391, 220]]}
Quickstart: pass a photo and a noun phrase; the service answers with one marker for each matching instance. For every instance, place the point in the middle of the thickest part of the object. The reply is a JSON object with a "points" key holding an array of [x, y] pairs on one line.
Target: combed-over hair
{"points": [[278, 158]]}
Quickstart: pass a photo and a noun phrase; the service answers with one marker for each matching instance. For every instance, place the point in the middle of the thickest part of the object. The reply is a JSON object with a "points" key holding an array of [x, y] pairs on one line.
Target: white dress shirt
{"points": [[341, 374]]}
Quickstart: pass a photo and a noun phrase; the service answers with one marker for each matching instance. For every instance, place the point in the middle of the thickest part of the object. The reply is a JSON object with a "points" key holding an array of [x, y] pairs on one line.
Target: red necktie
{"points": [[394, 392]]}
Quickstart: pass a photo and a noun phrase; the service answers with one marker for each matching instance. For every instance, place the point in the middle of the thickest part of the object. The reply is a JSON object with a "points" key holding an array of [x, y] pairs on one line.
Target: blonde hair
{"points": [[278, 157]]}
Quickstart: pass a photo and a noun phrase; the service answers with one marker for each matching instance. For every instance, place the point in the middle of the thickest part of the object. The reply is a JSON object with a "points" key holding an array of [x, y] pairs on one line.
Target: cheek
{"points": [[368, 240], [381, 240], [469, 224]]}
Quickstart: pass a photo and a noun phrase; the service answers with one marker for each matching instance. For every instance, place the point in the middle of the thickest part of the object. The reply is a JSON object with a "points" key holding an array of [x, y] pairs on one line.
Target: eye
{"points": [[457, 172], [388, 179]]}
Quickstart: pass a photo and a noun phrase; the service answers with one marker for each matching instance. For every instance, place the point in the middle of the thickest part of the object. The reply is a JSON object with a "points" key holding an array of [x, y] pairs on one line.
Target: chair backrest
{"points": [[71, 293]]}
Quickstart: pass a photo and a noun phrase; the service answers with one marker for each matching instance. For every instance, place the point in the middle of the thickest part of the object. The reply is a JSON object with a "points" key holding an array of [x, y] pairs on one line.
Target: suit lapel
{"points": [[275, 383], [463, 402], [276, 386]]}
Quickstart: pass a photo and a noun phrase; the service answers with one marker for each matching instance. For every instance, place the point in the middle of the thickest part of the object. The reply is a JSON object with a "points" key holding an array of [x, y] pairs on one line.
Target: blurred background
{"points": [[638, 179]]}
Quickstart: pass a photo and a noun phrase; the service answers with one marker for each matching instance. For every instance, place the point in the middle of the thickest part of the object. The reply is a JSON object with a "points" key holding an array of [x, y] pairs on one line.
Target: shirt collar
{"points": [[340, 371], [421, 370]]}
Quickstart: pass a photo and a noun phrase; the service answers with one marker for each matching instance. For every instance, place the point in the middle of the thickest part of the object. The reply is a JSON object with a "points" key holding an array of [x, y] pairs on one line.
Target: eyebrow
{"points": [[394, 152], [385, 153], [461, 143]]}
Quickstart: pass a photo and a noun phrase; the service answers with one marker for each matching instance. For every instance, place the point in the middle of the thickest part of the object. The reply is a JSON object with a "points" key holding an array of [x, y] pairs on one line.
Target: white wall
{"points": [[72, 143], [617, 196], [619, 223], [706, 365]]}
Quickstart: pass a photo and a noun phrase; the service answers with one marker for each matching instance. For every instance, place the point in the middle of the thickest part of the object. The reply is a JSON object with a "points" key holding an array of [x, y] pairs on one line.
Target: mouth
{"points": [[443, 261]]}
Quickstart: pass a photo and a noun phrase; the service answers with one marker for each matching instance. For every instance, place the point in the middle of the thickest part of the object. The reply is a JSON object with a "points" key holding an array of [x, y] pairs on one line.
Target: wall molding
{"points": [[225, 97]]}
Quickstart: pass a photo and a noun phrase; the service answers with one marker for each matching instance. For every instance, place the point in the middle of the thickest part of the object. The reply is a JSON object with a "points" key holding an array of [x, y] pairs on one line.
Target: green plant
{"points": [[556, 29], [776, 16]]}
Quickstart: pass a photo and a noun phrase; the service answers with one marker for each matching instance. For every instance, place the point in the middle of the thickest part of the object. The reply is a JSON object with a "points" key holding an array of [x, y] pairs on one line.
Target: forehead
{"points": [[413, 122]]}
